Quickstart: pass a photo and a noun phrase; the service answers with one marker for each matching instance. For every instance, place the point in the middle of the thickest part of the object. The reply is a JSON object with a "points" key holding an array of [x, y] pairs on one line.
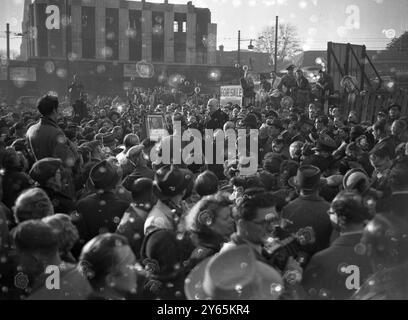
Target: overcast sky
{"points": [[369, 22]]}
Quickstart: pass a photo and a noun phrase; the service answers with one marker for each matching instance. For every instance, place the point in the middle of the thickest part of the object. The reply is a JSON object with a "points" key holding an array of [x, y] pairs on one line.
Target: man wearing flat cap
{"points": [[322, 157], [132, 224], [288, 83], [101, 211], [171, 185], [95, 150]]}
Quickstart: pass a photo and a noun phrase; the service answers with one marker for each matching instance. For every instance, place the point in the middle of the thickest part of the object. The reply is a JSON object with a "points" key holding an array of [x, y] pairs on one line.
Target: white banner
{"points": [[231, 94]]}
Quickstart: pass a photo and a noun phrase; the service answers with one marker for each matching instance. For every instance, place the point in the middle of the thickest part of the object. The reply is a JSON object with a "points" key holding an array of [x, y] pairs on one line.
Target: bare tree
{"points": [[288, 42]]}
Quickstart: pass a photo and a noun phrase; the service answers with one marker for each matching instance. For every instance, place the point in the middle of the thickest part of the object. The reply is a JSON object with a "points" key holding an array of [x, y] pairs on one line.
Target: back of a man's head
{"points": [[252, 200], [99, 257], [32, 204], [206, 184], [35, 236], [47, 105], [131, 140]]}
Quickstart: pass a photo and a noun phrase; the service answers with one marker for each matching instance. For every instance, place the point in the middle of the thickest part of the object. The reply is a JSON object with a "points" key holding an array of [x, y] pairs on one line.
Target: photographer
{"points": [[260, 226]]}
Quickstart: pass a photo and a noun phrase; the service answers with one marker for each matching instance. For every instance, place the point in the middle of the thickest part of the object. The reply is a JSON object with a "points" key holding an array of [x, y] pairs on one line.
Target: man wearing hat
{"points": [[132, 224], [165, 246], [349, 215], [322, 157], [134, 167], [309, 210], [101, 211], [235, 274], [47, 173], [274, 128], [94, 148], [171, 185], [288, 82], [109, 140]]}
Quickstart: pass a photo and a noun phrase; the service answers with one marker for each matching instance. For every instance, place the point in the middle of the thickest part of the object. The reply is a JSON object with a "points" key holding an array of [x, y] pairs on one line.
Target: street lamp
{"points": [[250, 47]]}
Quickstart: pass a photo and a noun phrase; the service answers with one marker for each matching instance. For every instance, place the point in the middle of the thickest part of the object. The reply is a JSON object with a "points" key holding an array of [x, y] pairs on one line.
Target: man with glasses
{"points": [[260, 226], [255, 216]]}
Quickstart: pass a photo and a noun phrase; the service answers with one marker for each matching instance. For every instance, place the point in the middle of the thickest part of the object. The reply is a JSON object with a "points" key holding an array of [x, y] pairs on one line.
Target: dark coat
{"points": [[289, 81], [97, 214], [164, 253], [60, 201], [397, 204], [139, 172], [310, 211], [217, 121], [247, 88], [387, 284], [323, 278], [389, 144], [48, 140], [132, 228], [319, 161], [4, 231]]}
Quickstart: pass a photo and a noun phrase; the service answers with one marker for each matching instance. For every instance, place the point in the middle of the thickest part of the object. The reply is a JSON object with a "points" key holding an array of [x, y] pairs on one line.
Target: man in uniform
{"points": [[288, 83]]}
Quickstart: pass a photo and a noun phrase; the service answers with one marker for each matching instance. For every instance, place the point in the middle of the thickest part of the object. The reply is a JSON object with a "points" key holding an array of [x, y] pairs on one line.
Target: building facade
{"points": [[119, 30]]}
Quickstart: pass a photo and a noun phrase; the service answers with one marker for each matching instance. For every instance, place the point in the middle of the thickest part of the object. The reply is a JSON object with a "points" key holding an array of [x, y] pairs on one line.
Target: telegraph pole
{"points": [[276, 44], [67, 24], [8, 62], [239, 48]]}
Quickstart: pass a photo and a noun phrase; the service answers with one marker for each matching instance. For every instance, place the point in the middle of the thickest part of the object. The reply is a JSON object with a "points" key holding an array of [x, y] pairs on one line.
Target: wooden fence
{"points": [[367, 106]]}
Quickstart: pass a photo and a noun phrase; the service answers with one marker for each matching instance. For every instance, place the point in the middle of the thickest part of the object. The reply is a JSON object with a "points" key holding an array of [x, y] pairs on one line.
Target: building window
{"points": [[176, 26], [184, 26]]}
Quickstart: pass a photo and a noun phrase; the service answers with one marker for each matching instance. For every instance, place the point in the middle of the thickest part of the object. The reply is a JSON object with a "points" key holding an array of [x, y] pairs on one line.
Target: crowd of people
{"points": [[324, 217]]}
